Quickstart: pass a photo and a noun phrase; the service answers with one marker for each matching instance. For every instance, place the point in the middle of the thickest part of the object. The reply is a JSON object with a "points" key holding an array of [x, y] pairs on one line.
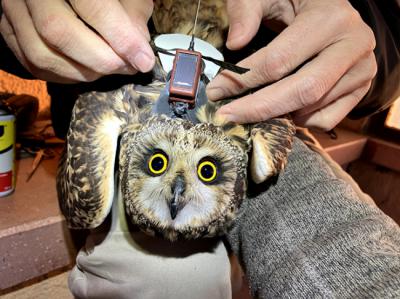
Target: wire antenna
{"points": [[191, 45]]}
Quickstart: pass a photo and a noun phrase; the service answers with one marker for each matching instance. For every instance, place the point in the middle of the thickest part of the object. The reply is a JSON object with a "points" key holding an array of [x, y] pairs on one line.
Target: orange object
{"points": [[185, 76]]}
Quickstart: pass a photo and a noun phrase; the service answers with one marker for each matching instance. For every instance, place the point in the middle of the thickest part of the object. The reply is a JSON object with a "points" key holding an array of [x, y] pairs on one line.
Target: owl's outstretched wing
{"points": [[271, 143], [85, 178]]}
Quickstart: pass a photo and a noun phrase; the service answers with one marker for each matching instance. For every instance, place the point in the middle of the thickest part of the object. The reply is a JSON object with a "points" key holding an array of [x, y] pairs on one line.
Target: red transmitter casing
{"points": [[185, 77]]}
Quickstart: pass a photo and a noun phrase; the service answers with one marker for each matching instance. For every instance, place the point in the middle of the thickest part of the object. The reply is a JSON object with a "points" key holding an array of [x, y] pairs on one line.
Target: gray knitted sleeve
{"points": [[308, 235]]}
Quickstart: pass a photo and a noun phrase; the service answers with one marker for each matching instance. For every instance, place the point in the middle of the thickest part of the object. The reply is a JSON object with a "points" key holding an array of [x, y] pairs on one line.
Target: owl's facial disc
{"points": [[181, 180]]}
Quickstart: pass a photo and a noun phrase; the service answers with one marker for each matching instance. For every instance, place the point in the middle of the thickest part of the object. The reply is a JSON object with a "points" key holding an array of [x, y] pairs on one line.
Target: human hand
{"points": [[328, 34], [81, 40]]}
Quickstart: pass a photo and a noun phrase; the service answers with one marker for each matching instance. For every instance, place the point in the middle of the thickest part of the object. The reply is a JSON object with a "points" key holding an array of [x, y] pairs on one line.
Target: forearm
{"points": [[308, 235]]}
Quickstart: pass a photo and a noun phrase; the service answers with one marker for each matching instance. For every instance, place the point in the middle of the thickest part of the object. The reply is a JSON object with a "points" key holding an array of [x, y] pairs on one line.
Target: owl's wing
{"points": [[271, 143], [85, 178]]}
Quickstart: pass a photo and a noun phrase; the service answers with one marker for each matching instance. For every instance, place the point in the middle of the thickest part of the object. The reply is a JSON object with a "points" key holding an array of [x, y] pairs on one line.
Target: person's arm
{"points": [[308, 235]]}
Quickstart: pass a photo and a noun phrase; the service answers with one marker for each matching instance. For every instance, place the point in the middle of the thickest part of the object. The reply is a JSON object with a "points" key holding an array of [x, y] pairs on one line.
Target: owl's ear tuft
{"points": [[271, 143], [238, 133], [208, 114]]}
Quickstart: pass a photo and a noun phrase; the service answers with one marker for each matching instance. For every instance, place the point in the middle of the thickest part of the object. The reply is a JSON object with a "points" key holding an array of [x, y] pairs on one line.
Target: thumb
{"points": [[244, 20]]}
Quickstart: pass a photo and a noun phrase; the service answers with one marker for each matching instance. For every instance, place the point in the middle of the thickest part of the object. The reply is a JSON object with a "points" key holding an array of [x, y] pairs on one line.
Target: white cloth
{"points": [[117, 263]]}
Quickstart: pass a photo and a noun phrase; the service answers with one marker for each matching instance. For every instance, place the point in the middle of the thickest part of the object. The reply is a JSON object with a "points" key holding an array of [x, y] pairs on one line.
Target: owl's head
{"points": [[180, 179]]}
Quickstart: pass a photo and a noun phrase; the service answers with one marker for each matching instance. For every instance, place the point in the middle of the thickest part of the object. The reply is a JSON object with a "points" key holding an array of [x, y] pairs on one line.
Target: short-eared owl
{"points": [[178, 179]]}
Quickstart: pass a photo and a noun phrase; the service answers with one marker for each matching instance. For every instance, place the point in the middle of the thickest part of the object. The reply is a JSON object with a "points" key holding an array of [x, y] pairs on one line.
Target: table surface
{"points": [[33, 201]]}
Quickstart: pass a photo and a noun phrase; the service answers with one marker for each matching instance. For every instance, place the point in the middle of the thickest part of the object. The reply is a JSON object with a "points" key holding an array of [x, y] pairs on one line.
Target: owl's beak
{"points": [[178, 188]]}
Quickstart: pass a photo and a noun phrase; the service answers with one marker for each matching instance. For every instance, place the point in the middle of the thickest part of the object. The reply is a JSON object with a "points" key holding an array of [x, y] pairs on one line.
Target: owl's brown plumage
{"points": [[101, 121], [121, 122], [177, 16]]}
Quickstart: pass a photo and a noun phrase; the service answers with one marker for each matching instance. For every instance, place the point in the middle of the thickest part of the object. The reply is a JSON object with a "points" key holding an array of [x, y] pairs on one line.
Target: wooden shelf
{"points": [[383, 153], [346, 148]]}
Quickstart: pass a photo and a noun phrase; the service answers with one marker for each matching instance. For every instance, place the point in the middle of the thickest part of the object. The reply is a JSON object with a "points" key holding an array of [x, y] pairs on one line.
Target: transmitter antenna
{"points": [[191, 45]]}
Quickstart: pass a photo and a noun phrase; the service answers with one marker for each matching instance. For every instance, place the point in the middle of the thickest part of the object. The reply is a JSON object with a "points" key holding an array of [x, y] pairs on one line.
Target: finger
{"points": [[42, 61], [244, 20], [139, 12], [329, 116], [296, 91], [110, 20], [9, 36], [59, 27], [12, 43], [359, 75], [293, 46]]}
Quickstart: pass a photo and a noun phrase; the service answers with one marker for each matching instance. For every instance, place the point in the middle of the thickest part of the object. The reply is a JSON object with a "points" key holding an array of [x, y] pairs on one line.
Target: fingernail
{"points": [[215, 93], [143, 61], [235, 31], [226, 116], [223, 118], [225, 113]]}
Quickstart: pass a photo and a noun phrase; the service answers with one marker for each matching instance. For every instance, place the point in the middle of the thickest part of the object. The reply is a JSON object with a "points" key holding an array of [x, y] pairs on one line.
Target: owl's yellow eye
{"points": [[158, 163], [207, 171]]}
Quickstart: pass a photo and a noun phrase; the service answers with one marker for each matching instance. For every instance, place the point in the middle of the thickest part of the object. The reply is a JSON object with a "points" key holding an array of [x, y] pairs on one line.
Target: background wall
{"points": [[12, 84]]}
